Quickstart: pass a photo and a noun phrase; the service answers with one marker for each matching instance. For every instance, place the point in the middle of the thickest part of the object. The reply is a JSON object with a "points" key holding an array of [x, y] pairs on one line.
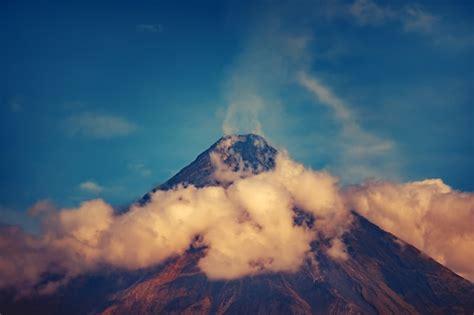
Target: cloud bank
{"points": [[427, 214], [248, 228]]}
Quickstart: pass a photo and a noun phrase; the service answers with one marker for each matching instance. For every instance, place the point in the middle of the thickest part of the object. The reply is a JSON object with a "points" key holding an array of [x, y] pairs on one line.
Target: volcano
{"points": [[384, 275]]}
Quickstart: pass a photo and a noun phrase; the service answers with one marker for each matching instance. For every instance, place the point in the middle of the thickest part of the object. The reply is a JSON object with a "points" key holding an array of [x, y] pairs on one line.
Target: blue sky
{"points": [[108, 99]]}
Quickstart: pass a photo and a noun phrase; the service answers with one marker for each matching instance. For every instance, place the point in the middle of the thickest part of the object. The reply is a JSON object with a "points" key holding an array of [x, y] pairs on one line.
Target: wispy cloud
{"points": [[91, 187], [150, 28], [257, 75], [15, 217], [327, 97], [416, 19], [43, 206], [99, 126], [412, 18], [276, 57], [243, 115], [15, 104], [368, 12], [139, 168], [361, 151]]}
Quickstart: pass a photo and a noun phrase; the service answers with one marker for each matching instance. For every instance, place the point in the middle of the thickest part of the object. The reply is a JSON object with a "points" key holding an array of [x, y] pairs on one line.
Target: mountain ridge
{"points": [[232, 150]]}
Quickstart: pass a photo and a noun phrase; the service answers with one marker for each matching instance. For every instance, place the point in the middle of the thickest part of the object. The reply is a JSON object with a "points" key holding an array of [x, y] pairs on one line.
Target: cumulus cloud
{"points": [[98, 126], [91, 187], [41, 207], [427, 214], [247, 227], [27, 219], [11, 216]]}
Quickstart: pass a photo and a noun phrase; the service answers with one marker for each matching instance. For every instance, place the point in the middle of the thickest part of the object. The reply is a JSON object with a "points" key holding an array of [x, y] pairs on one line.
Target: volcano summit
{"points": [[241, 230]]}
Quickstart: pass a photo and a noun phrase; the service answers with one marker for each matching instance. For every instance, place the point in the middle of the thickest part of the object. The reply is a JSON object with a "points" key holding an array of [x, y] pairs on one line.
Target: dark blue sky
{"points": [[107, 99]]}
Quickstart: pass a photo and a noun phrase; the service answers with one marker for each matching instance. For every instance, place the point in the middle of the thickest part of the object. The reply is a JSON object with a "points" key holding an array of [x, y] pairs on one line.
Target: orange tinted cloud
{"points": [[427, 214], [248, 228]]}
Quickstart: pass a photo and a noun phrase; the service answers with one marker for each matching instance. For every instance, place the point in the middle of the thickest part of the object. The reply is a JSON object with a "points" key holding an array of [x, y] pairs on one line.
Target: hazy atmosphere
{"points": [[370, 101]]}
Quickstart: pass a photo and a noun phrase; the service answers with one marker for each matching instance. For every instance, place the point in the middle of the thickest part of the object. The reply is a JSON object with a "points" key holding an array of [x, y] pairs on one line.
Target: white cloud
{"points": [[98, 126], [41, 207], [259, 208], [415, 19], [151, 28], [243, 116], [427, 214], [361, 151], [14, 217], [91, 187], [140, 169], [276, 57], [267, 63], [327, 97], [368, 12], [16, 104]]}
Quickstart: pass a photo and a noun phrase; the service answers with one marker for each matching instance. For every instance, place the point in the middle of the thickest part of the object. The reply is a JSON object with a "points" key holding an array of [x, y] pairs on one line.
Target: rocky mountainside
{"points": [[383, 275], [250, 153]]}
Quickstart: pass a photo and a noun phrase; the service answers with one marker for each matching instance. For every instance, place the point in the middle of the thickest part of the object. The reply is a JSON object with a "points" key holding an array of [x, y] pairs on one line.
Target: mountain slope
{"points": [[250, 153], [383, 275]]}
